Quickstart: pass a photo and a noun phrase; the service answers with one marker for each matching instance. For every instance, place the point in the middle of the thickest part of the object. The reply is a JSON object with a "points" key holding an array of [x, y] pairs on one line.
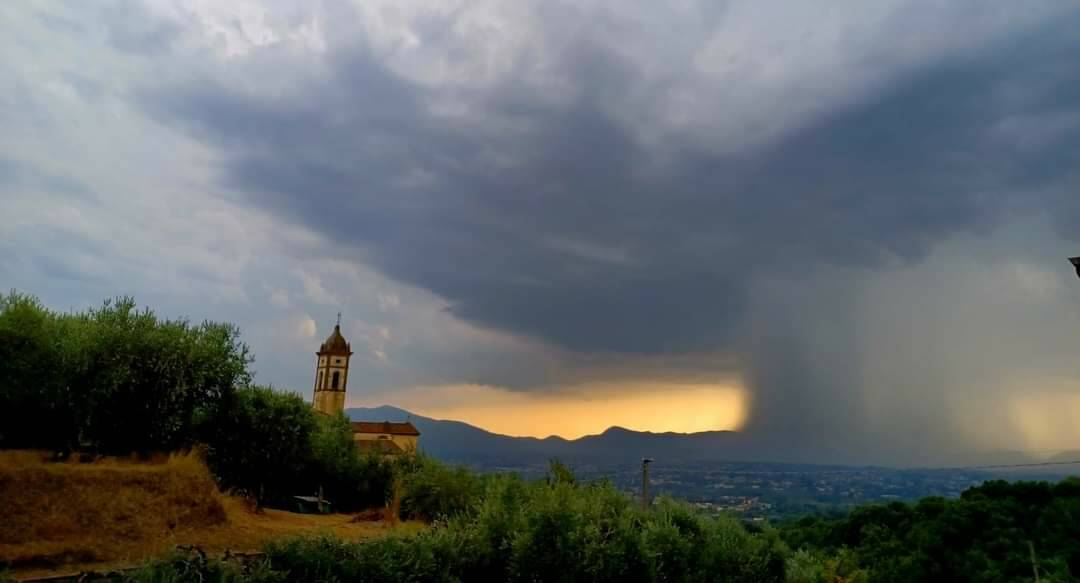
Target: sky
{"points": [[841, 226]]}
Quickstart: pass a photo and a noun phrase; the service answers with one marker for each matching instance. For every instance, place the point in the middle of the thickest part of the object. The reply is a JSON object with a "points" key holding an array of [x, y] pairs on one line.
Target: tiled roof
{"points": [[335, 343], [386, 427]]}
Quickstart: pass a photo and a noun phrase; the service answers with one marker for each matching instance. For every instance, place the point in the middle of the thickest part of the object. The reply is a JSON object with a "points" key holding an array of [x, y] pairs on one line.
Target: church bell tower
{"points": [[332, 373]]}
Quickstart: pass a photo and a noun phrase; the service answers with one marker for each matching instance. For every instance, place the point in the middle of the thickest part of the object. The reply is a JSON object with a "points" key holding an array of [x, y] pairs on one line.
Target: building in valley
{"points": [[331, 381]]}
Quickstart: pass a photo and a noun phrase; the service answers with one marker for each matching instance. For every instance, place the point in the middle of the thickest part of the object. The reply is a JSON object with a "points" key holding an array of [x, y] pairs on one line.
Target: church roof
{"points": [[335, 343], [387, 427]]}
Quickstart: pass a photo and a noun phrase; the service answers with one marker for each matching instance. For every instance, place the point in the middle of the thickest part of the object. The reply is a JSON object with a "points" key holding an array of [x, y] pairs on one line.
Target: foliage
{"points": [[36, 409], [261, 444], [560, 473], [804, 566], [432, 490], [982, 536], [120, 380], [181, 567], [114, 379], [351, 481], [547, 531]]}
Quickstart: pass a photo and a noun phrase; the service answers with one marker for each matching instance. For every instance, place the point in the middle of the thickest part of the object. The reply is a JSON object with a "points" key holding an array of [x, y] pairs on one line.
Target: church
{"points": [[331, 380]]}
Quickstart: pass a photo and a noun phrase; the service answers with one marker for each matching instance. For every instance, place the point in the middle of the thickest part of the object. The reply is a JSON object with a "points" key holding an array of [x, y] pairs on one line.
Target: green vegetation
{"points": [[982, 536], [559, 529], [182, 567], [114, 380], [553, 530], [260, 443], [120, 381]]}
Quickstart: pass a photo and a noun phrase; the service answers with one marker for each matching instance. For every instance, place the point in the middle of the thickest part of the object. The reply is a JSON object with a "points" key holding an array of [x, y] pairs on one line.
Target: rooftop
{"points": [[387, 427], [335, 343]]}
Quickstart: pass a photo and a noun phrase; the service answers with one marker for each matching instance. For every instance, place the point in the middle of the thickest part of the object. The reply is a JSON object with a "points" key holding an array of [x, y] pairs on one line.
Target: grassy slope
{"points": [[75, 516]]}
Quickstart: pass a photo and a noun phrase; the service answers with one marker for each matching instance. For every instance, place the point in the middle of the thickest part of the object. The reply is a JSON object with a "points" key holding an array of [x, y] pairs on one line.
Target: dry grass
{"points": [[72, 516]]}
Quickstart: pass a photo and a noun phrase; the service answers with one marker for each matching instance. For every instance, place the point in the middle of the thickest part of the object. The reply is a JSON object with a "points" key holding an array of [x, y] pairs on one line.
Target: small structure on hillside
{"points": [[331, 379]]}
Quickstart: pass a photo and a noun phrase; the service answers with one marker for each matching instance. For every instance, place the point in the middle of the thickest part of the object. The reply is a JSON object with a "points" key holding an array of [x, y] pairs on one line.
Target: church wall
{"points": [[406, 442]]}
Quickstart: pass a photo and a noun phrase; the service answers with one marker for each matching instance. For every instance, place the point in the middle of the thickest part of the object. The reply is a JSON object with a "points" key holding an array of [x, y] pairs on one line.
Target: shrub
{"points": [[982, 536], [182, 567], [553, 530], [115, 379], [260, 444], [432, 490]]}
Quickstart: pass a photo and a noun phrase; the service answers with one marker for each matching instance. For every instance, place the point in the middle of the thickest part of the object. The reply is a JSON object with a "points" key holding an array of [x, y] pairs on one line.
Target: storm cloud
{"points": [[705, 188]]}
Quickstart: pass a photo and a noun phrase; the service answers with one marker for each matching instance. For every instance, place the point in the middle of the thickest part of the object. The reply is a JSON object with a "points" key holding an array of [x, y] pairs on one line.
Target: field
{"points": [[73, 516]]}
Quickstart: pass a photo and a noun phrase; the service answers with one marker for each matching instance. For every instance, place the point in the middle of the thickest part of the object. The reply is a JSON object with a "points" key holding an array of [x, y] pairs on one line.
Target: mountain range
{"points": [[459, 442]]}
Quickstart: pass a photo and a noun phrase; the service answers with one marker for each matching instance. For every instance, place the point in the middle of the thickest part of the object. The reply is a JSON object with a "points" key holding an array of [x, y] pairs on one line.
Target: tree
{"points": [[350, 481], [114, 379], [260, 444], [36, 409]]}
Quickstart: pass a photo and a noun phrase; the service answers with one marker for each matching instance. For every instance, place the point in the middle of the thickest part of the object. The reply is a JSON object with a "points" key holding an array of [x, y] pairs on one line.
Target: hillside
{"points": [[113, 512]]}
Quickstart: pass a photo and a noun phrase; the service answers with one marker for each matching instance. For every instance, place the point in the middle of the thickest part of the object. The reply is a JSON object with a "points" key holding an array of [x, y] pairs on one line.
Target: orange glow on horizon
{"points": [[590, 409]]}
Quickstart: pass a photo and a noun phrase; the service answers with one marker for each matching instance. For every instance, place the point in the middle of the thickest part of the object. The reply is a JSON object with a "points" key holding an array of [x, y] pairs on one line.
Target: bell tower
{"points": [[332, 373]]}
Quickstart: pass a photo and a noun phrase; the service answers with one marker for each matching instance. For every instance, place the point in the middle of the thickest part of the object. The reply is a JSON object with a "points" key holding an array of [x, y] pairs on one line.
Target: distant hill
{"points": [[460, 442]]}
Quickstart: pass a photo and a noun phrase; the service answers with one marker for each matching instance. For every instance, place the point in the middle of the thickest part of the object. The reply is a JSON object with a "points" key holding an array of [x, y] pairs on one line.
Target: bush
{"points": [[982, 536], [114, 380], [182, 567], [551, 530], [119, 380], [432, 490], [38, 408], [260, 444], [353, 482]]}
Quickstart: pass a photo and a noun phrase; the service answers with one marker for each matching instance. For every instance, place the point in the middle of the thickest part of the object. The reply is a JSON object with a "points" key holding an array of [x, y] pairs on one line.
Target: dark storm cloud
{"points": [[564, 226], [554, 218]]}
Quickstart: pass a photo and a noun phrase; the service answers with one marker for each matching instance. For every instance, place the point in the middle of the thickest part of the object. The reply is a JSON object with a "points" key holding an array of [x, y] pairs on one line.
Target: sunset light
{"points": [[655, 407]]}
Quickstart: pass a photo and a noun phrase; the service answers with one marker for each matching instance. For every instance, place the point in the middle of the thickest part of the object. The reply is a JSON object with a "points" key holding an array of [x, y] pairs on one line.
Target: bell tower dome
{"points": [[332, 373]]}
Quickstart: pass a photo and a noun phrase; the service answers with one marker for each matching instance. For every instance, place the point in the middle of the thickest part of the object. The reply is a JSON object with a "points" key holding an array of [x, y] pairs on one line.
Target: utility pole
{"points": [[645, 461], [1034, 565]]}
